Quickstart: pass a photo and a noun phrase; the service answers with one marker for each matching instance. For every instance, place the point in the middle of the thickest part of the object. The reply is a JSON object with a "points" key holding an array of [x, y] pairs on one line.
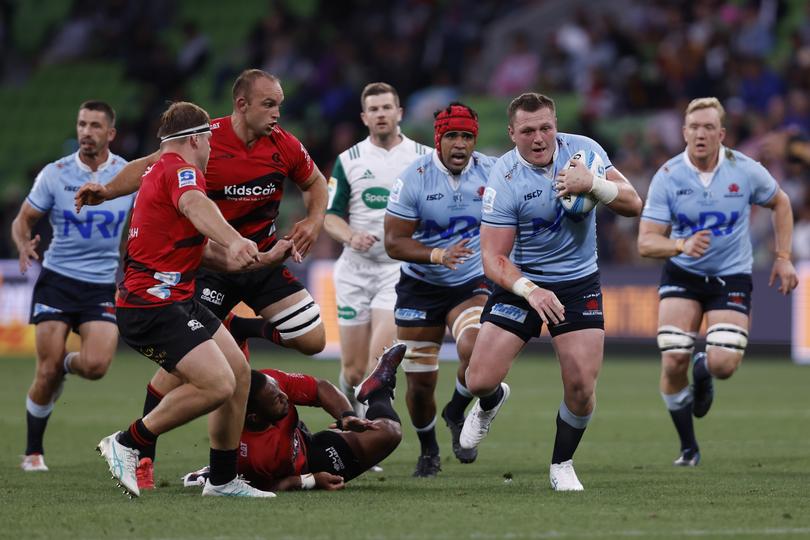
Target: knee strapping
{"points": [[420, 356], [673, 339], [468, 319], [727, 336], [297, 319]]}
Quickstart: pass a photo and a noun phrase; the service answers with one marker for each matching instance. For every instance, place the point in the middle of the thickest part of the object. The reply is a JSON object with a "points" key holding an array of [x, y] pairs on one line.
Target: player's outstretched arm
{"points": [[654, 241], [782, 218], [306, 231], [216, 257], [208, 220], [128, 180], [21, 234], [496, 245], [319, 480], [400, 245]]}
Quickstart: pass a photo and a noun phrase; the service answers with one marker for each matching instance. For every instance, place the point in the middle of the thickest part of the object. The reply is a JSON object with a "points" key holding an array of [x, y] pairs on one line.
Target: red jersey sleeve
{"points": [[181, 179], [300, 163], [300, 389]]}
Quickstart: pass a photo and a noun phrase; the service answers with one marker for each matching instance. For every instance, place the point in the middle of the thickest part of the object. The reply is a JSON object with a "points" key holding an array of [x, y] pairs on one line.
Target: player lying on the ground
{"points": [[278, 453]]}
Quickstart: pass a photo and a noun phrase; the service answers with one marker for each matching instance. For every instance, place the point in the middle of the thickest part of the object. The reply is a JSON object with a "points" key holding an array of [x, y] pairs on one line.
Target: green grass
{"points": [[753, 482]]}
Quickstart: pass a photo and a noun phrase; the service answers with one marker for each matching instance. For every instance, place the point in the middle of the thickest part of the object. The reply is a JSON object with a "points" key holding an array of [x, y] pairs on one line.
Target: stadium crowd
{"points": [[635, 71]]}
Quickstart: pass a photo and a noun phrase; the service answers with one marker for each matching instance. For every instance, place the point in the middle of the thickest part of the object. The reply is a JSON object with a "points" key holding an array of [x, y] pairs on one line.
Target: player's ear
{"points": [[111, 134]]}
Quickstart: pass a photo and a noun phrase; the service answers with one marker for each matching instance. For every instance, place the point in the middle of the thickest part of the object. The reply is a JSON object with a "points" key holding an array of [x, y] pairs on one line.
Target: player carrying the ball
{"points": [[543, 262]]}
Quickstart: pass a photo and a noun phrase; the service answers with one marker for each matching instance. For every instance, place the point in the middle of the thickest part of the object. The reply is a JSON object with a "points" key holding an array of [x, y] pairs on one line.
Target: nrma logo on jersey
{"points": [[464, 226], [719, 223], [376, 198], [107, 223]]}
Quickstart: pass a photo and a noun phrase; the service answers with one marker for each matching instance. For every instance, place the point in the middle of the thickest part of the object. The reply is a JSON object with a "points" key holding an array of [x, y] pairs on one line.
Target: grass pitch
{"points": [[754, 481]]}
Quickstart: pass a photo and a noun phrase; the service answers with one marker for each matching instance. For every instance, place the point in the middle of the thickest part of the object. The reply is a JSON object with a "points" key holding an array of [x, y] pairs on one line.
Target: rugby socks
{"points": [[381, 406], [570, 429], [458, 403], [151, 401], [427, 438], [247, 327], [223, 466], [680, 409], [700, 368], [36, 419], [67, 361], [491, 401], [137, 436]]}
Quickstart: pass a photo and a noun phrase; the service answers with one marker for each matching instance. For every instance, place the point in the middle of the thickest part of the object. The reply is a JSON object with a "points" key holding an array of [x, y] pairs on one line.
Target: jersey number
{"points": [[109, 226]]}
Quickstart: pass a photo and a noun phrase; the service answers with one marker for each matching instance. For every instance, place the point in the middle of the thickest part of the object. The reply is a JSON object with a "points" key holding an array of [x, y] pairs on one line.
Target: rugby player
{"points": [[544, 264], [697, 217]]}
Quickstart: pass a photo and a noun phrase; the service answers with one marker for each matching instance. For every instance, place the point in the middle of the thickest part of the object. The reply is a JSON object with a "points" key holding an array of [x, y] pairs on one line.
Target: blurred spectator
{"points": [[517, 72]]}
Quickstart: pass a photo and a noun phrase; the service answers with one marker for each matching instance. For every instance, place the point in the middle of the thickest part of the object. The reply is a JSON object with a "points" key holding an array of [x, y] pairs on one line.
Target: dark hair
{"points": [[375, 89], [181, 115], [449, 110], [258, 381], [244, 82], [529, 102], [102, 106]]}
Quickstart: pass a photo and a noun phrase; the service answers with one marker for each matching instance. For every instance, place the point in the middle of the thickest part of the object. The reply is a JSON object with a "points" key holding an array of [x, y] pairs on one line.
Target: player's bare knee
{"points": [[723, 366], [50, 372], [95, 368], [675, 365]]}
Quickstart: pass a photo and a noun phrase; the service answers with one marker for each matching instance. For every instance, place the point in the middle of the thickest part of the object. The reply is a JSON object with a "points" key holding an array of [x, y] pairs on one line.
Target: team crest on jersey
{"points": [[396, 189], [186, 176], [734, 191], [488, 201]]}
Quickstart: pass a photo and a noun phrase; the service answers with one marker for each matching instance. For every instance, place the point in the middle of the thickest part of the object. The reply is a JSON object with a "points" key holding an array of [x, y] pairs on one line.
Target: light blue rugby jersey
{"points": [[678, 198], [550, 245], [85, 246], [425, 192]]}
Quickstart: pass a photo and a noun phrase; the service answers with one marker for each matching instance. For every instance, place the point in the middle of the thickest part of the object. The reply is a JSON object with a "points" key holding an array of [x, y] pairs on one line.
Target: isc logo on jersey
{"points": [[376, 197], [186, 176]]}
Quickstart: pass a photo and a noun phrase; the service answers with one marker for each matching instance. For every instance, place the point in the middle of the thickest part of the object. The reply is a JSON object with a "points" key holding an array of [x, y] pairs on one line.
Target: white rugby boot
{"points": [[33, 463], [123, 463], [563, 477], [476, 425], [238, 487]]}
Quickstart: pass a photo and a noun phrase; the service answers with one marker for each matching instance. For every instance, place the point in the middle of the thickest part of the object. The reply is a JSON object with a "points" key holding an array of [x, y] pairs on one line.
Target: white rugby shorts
{"points": [[362, 285]]}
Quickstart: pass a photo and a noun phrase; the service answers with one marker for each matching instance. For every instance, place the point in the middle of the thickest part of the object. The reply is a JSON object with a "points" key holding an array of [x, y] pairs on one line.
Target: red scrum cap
{"points": [[456, 117]]}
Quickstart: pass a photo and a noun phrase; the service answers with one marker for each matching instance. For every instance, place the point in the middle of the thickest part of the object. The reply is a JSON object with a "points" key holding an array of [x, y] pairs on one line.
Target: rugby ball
{"points": [[582, 203]]}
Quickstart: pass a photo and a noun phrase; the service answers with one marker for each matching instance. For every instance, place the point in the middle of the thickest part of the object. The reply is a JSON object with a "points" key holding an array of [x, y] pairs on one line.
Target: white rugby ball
{"points": [[582, 203]]}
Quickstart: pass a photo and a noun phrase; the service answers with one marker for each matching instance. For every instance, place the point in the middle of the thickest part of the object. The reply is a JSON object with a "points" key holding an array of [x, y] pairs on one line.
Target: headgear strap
{"points": [[454, 118], [202, 128]]}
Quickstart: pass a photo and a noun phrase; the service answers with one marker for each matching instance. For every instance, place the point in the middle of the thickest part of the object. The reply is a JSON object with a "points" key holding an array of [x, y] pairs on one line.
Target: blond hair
{"points": [[706, 103]]}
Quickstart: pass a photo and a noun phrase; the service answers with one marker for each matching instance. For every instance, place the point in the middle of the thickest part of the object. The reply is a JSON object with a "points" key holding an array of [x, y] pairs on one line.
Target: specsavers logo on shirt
{"points": [[376, 197]]}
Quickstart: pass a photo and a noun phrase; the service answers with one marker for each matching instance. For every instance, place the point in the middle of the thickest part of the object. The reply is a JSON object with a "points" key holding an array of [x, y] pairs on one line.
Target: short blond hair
{"points": [[706, 103]]}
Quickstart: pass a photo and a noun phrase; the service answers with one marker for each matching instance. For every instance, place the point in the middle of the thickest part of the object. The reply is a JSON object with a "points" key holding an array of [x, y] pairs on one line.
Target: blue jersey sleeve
{"points": [[403, 201], [498, 207], [763, 185], [656, 208], [41, 196]]}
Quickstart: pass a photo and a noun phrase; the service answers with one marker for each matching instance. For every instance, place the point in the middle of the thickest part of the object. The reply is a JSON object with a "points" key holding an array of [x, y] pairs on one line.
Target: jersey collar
{"points": [[445, 170], [84, 167], [548, 170], [720, 159]]}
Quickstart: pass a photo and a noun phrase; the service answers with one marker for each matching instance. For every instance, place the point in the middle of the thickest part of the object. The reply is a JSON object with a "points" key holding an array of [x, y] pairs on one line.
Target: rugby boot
{"points": [[702, 388], [384, 374]]}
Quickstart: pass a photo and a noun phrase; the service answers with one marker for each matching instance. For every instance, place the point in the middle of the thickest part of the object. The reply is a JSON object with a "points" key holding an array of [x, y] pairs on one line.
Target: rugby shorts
{"points": [[423, 304], [731, 291], [581, 298], [362, 285], [328, 451], [221, 292], [60, 298], [165, 334]]}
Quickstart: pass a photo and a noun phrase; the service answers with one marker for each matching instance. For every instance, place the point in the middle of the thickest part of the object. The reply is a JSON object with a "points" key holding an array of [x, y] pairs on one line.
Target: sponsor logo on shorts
{"points": [[40, 309], [156, 356], [337, 463], [375, 198], [186, 176], [243, 449], [508, 311], [346, 312], [667, 289], [194, 324], [488, 201], [736, 300], [592, 308], [212, 296], [108, 310], [408, 314]]}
